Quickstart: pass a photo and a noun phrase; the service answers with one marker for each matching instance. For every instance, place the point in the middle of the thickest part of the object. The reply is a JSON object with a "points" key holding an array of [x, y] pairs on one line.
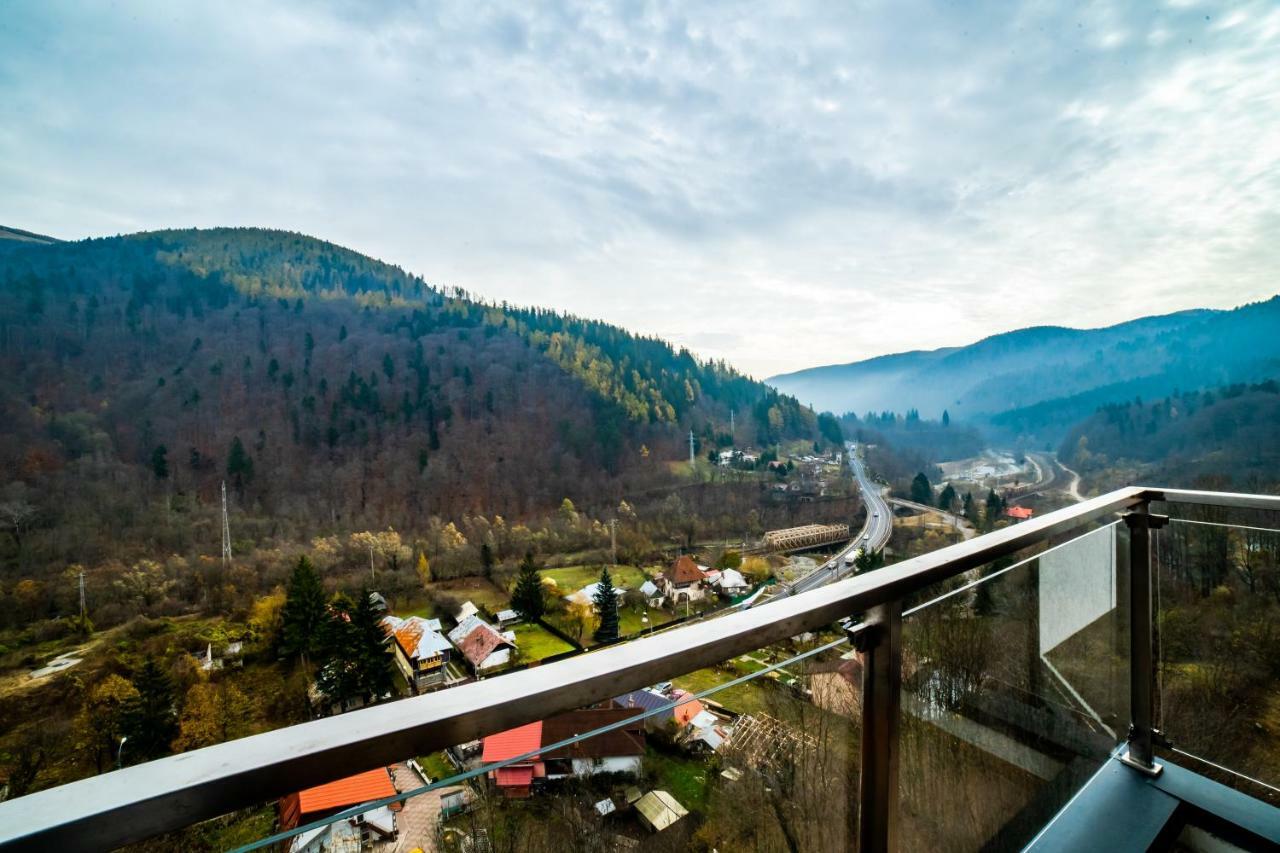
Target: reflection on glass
{"points": [[1015, 684], [1218, 600]]}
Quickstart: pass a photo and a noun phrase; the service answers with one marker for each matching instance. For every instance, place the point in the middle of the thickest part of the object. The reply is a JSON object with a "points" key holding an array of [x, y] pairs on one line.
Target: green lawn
{"points": [[477, 590], [574, 578], [750, 697], [536, 642], [629, 620], [437, 766], [682, 777]]}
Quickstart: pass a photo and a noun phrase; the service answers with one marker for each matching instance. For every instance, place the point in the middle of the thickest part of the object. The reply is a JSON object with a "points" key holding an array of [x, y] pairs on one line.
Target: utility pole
{"points": [[613, 539], [226, 530], [691, 462], [732, 431], [82, 607], [372, 573]]}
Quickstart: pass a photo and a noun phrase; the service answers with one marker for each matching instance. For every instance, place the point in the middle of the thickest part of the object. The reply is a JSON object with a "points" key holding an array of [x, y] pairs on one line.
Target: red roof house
{"points": [[1020, 513], [313, 803], [616, 751]]}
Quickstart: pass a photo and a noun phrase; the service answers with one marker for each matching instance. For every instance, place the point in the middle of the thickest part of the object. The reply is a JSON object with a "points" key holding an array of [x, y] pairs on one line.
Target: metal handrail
{"points": [[160, 796]]}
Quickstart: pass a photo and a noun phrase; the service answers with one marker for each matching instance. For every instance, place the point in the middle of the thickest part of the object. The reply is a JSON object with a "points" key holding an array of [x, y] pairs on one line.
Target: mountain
{"points": [[328, 389], [1032, 384], [17, 235], [1230, 434]]}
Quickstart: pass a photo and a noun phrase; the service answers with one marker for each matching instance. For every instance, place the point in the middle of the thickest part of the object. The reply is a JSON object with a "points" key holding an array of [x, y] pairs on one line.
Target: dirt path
{"points": [[1073, 487]]}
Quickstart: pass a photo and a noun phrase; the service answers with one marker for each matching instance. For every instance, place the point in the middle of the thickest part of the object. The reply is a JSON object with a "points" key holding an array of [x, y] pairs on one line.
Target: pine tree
{"points": [[304, 613], [946, 418], [160, 462], [921, 491], [606, 601], [947, 499], [338, 677], [239, 466], [486, 559], [150, 721], [995, 506], [526, 597], [970, 508], [373, 660]]}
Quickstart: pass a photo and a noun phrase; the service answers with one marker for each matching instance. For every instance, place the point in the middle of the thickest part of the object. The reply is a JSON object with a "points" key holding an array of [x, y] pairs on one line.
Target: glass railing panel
{"points": [[1217, 596], [759, 752], [1015, 689]]}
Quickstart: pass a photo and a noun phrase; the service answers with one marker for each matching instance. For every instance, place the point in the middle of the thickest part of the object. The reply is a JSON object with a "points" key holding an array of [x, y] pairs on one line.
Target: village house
{"points": [[617, 751], [364, 831], [682, 581], [481, 645], [421, 651], [730, 582], [836, 686], [587, 595], [652, 595]]}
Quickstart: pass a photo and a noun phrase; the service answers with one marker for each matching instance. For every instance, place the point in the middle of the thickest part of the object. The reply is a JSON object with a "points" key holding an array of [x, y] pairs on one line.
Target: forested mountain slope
{"points": [[1032, 384], [328, 388], [1229, 435]]}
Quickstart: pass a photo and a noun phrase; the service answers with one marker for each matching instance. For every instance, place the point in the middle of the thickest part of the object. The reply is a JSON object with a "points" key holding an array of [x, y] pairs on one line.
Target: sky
{"points": [[780, 185]]}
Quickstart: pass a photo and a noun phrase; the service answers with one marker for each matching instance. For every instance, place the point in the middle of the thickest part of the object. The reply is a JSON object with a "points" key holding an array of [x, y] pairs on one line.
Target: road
{"points": [[958, 522], [874, 535]]}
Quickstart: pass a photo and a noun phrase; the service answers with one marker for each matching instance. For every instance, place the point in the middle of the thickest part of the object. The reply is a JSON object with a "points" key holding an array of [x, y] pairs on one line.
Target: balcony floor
{"points": [[1121, 809]]}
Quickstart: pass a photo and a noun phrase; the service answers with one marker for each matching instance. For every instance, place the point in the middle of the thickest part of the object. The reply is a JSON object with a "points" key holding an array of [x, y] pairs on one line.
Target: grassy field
{"points": [[437, 766], [574, 578], [536, 642], [684, 778], [751, 697], [479, 591]]}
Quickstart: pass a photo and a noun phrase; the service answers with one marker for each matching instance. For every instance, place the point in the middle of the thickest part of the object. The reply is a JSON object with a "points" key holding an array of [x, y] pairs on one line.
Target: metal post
{"points": [[880, 643], [1141, 754]]}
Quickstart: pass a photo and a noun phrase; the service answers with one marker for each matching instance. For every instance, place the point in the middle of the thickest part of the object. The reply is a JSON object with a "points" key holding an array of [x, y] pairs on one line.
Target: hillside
{"points": [[1031, 384], [1230, 435], [331, 390]]}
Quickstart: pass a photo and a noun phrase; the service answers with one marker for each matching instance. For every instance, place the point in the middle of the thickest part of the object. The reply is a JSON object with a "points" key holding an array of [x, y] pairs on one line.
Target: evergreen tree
{"points": [[526, 598], [373, 660], [304, 613], [160, 462], [239, 466], [338, 677], [921, 491], [995, 507], [971, 508], [607, 606], [150, 720], [947, 499], [486, 559], [946, 418]]}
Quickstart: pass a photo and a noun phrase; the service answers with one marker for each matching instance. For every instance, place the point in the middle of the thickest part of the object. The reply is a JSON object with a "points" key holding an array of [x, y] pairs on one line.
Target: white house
{"points": [[587, 594]]}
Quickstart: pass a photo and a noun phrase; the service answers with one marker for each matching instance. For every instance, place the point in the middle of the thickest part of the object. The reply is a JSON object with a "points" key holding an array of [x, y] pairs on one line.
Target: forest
{"points": [[1228, 435]]}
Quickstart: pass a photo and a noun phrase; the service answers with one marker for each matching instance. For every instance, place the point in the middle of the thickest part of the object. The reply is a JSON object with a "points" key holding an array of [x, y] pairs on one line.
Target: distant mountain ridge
{"points": [[1034, 383]]}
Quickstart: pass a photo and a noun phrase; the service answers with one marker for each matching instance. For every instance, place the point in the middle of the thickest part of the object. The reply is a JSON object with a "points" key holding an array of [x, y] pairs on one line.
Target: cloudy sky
{"points": [[780, 185]]}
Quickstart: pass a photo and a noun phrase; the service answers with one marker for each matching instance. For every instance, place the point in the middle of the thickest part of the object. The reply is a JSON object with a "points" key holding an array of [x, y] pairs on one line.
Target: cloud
{"points": [[781, 187]]}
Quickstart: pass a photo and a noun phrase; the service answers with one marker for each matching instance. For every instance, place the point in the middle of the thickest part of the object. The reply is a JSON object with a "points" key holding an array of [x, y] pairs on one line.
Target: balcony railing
{"points": [[1034, 647]]}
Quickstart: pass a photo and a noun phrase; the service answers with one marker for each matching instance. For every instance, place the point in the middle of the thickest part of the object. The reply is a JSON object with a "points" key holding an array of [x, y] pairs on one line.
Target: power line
{"points": [[226, 530]]}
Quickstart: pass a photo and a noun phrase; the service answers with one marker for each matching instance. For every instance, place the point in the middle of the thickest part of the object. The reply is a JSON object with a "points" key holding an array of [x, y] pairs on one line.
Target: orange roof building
{"points": [[1020, 513], [683, 572], [333, 797]]}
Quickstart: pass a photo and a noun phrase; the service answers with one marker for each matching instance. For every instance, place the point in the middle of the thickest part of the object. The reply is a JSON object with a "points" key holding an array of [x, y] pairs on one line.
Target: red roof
{"points": [[1019, 512], [480, 643], [515, 776], [512, 742], [351, 791], [685, 711], [684, 571]]}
